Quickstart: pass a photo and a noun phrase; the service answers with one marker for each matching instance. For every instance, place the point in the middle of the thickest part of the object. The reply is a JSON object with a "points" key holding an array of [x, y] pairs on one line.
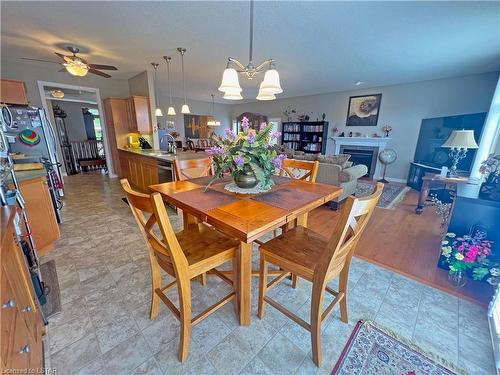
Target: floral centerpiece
{"points": [[469, 255], [490, 169], [249, 156]]}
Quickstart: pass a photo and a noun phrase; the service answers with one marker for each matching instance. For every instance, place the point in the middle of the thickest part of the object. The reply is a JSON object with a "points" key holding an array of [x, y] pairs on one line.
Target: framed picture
{"points": [[363, 110]]}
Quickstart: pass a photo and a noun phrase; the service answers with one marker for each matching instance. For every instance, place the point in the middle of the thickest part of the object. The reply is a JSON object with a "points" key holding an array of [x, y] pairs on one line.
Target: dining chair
{"points": [[302, 252], [193, 168], [298, 170], [184, 255]]}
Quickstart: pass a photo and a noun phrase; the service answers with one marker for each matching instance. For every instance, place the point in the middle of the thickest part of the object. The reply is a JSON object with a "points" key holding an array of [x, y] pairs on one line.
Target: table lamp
{"points": [[459, 142]]}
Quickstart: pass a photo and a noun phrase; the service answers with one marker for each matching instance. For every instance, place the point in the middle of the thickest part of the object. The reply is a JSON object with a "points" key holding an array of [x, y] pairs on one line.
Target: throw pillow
{"points": [[335, 159]]}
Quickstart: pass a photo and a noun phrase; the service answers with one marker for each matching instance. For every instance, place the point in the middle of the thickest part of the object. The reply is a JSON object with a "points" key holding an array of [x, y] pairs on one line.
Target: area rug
{"points": [[392, 194], [51, 283], [372, 350]]}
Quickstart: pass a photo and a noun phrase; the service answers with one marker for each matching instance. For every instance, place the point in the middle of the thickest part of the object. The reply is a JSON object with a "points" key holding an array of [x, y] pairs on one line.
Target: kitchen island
{"points": [[143, 168]]}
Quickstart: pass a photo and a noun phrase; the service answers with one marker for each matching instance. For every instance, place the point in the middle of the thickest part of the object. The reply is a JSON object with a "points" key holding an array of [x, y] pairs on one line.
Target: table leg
{"points": [[188, 219], [245, 282], [422, 198]]}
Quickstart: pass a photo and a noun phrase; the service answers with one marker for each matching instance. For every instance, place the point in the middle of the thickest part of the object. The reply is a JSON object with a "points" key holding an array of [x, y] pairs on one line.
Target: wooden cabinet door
{"points": [[8, 317], [142, 114], [40, 212], [13, 92], [131, 117], [149, 174]]}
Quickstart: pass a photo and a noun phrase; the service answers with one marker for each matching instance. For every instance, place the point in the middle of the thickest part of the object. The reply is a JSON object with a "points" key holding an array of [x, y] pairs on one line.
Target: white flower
{"points": [[445, 242], [446, 250], [459, 256], [495, 272], [451, 235]]}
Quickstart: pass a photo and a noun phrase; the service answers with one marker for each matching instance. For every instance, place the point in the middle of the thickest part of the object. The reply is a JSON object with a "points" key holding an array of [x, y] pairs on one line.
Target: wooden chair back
{"points": [[168, 248], [188, 169], [352, 222], [290, 166]]}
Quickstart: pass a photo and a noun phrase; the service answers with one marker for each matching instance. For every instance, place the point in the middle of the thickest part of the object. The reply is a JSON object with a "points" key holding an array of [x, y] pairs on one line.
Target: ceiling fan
{"points": [[76, 65]]}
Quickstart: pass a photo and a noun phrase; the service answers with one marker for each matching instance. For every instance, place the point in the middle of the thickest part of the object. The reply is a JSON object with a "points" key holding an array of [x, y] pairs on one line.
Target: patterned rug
{"points": [[372, 350], [392, 195]]}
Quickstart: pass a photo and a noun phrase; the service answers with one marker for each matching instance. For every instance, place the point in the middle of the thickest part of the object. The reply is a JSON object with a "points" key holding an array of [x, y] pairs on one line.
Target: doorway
{"points": [[78, 118]]}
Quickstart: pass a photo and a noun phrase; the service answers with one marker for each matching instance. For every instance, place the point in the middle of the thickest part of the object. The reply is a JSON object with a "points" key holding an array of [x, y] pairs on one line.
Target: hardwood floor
{"points": [[405, 243]]}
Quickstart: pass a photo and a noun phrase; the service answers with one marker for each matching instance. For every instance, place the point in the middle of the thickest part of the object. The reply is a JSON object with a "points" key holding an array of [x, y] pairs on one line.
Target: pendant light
{"points": [[230, 84], [158, 112], [213, 121], [171, 109], [185, 108]]}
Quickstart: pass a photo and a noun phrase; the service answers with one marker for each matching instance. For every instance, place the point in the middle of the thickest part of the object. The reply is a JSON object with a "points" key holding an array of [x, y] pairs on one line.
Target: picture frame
{"points": [[363, 110]]}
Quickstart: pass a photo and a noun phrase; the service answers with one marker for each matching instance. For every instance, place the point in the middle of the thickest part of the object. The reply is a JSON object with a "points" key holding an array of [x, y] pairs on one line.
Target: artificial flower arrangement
{"points": [[469, 255], [249, 156]]}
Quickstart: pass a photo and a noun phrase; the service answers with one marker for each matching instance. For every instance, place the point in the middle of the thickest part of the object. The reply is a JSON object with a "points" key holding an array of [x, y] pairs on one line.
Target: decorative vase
{"points": [[246, 179], [457, 279]]}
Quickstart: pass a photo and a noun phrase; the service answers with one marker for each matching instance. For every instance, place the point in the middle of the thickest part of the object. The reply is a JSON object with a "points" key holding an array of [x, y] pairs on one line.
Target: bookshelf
{"points": [[308, 136]]}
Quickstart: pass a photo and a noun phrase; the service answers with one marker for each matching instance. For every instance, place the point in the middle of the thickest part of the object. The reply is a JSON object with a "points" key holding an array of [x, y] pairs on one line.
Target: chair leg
{"points": [[344, 277], [262, 286], [185, 339], [155, 284], [316, 307], [185, 320], [295, 281], [203, 279], [235, 287]]}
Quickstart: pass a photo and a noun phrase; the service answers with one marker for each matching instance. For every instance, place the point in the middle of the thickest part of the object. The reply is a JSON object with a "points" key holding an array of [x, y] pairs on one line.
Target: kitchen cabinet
{"points": [[21, 325], [117, 127], [13, 92], [40, 211], [139, 114], [140, 171]]}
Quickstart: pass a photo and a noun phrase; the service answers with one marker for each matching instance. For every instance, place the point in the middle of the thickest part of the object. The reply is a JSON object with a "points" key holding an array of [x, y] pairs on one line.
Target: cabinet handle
{"points": [[9, 304], [25, 349], [27, 309]]}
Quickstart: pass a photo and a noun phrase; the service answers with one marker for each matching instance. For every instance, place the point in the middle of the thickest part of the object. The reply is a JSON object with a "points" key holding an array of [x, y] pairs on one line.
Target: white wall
{"points": [[30, 73], [75, 125], [222, 113], [402, 106]]}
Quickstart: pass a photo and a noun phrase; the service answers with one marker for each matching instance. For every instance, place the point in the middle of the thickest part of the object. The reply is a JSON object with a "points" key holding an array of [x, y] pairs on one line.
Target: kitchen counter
{"points": [[163, 156], [28, 175]]}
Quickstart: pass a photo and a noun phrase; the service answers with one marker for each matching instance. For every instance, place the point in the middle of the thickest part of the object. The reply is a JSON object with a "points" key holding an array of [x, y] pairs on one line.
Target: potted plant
{"points": [[248, 156], [469, 256], [490, 169]]}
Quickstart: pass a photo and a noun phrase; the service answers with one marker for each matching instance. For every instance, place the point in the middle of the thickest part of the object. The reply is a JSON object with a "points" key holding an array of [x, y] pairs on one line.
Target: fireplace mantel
{"points": [[378, 143]]}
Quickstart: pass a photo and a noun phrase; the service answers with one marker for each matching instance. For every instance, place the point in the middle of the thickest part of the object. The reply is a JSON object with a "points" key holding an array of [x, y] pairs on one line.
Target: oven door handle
{"points": [[164, 167]]}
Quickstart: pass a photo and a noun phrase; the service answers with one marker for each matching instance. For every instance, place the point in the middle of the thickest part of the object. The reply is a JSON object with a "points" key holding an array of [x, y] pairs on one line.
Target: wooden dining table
{"points": [[246, 217]]}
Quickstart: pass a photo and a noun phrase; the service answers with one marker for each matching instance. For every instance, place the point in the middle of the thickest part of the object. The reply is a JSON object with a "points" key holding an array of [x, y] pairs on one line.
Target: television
{"points": [[435, 131]]}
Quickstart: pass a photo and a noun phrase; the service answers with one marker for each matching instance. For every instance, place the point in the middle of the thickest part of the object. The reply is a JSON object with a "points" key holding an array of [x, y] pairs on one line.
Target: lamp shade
{"points": [[57, 94], [171, 111], [158, 112], [213, 122], [461, 139], [264, 95], [76, 69], [230, 81], [271, 83], [233, 95], [185, 109]]}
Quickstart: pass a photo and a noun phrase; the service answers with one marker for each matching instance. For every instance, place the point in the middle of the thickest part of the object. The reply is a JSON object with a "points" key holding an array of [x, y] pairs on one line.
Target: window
{"points": [[97, 123]]}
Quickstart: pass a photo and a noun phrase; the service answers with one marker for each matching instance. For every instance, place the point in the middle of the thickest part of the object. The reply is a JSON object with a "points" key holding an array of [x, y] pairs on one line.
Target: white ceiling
{"points": [[319, 46]]}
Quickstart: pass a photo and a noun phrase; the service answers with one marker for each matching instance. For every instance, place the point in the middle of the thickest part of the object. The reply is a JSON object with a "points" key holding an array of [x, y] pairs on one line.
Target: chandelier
{"points": [[230, 84]]}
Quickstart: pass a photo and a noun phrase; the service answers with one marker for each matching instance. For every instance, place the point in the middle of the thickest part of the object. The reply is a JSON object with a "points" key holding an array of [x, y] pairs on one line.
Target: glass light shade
{"points": [[213, 122], [158, 112], [171, 111], [232, 95], [271, 83], [185, 109], [264, 95], [230, 81], [57, 94], [78, 70], [461, 139]]}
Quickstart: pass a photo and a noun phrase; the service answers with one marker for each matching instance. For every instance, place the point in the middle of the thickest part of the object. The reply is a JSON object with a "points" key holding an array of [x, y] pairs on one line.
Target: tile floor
{"points": [[104, 326]]}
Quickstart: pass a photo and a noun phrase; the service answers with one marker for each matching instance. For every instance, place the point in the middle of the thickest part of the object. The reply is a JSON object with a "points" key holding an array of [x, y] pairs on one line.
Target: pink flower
{"points": [[263, 126]]}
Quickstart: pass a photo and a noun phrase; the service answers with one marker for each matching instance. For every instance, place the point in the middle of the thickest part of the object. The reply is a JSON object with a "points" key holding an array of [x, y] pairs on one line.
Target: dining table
{"points": [[246, 217]]}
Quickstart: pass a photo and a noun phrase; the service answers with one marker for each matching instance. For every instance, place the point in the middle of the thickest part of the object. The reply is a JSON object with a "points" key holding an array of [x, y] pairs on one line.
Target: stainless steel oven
{"points": [[165, 172]]}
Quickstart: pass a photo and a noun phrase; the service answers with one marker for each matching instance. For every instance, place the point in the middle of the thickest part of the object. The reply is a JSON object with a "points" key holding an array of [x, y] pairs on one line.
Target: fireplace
{"points": [[365, 155]]}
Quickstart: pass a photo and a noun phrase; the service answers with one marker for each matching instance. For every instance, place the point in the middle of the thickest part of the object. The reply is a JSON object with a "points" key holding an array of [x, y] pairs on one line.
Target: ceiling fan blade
{"points": [[60, 55], [102, 67], [62, 70], [27, 58], [97, 72]]}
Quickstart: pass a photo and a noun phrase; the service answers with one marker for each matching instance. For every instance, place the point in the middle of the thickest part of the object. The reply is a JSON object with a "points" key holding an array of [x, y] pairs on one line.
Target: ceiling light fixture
{"points": [[213, 121], [359, 83], [57, 94], [171, 109], [230, 84], [185, 107], [76, 68], [158, 112]]}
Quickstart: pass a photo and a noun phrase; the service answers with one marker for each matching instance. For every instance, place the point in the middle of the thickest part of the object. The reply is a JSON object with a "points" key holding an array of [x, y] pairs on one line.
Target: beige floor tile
{"points": [[127, 356], [281, 356], [77, 355]]}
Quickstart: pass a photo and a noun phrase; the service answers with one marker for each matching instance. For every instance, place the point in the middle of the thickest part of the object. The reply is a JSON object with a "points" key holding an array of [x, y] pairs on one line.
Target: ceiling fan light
{"points": [[185, 109], [230, 81], [59, 94], [271, 83], [171, 111], [158, 112], [77, 69]]}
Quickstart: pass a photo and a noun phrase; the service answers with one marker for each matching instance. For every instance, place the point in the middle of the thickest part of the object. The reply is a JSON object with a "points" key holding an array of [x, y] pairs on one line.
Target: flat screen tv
{"points": [[435, 131]]}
